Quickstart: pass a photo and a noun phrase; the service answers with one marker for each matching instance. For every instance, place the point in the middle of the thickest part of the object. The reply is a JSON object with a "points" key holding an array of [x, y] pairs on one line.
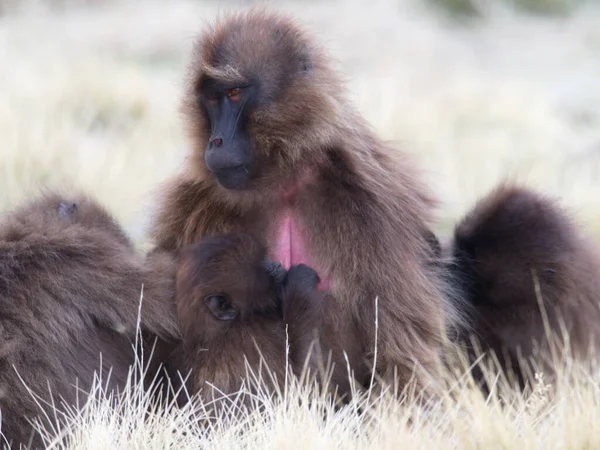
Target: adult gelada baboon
{"points": [[523, 262], [279, 153], [234, 306], [70, 286]]}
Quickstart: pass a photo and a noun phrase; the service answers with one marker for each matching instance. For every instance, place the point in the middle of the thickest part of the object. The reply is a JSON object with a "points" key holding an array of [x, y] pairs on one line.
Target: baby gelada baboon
{"points": [[233, 307], [528, 271], [70, 286]]}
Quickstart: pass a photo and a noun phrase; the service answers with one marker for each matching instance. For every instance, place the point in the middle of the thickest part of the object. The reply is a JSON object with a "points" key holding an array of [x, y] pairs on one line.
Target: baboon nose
{"points": [[216, 142]]}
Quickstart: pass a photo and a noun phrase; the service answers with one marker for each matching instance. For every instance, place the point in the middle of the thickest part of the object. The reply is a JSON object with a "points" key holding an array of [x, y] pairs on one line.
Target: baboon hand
{"points": [[301, 280]]}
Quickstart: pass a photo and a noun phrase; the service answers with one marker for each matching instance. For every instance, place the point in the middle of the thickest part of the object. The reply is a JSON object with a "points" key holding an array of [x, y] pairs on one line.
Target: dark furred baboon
{"points": [[512, 238], [280, 154], [70, 286], [233, 308]]}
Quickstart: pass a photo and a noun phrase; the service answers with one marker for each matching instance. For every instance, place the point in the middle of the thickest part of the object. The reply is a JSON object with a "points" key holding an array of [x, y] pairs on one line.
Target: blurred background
{"points": [[478, 90]]}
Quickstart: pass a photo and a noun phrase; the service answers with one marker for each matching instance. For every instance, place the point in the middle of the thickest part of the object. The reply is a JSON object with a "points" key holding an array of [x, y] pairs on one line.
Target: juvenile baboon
{"points": [[521, 260], [70, 286], [279, 153], [233, 306]]}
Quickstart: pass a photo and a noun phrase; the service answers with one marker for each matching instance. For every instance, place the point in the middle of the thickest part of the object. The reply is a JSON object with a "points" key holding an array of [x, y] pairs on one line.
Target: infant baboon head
{"points": [[226, 279]]}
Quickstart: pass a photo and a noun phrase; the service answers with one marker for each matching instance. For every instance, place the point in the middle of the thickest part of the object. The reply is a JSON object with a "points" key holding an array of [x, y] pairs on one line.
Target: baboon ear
{"points": [[305, 65], [66, 210], [220, 307]]}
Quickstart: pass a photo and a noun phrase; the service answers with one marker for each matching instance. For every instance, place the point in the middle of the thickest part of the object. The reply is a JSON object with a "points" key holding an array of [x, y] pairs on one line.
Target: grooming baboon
{"points": [[513, 242], [70, 286], [280, 154], [233, 307]]}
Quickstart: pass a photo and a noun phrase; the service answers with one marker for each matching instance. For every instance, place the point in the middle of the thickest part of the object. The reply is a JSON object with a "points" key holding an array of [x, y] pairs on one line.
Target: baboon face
{"points": [[255, 87], [224, 280], [230, 153]]}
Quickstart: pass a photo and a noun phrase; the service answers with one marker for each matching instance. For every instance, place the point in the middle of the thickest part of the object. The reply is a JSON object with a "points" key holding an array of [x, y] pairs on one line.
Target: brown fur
{"points": [[511, 236], [216, 353], [362, 203], [70, 284]]}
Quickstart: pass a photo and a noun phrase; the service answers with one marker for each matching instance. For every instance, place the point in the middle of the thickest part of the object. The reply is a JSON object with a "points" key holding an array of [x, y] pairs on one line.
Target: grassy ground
{"points": [[562, 414], [89, 98]]}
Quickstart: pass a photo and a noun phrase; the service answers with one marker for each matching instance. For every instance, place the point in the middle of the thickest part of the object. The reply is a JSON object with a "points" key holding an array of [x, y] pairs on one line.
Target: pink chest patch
{"points": [[290, 248]]}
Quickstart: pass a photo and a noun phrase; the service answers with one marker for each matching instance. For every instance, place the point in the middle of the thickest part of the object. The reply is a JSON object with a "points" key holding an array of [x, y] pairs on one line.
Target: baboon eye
{"points": [[234, 94], [220, 306], [217, 300]]}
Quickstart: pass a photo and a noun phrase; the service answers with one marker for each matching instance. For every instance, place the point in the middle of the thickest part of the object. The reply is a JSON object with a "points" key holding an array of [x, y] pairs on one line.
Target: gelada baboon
{"points": [[279, 153], [234, 306], [529, 273], [70, 286]]}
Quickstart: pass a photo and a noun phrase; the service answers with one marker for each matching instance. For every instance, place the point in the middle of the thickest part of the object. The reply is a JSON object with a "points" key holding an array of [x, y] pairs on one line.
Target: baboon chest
{"points": [[289, 240]]}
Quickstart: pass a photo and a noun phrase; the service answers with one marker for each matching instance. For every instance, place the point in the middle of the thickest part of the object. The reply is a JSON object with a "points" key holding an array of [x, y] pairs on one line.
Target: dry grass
{"points": [[560, 414], [89, 98], [468, 421]]}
